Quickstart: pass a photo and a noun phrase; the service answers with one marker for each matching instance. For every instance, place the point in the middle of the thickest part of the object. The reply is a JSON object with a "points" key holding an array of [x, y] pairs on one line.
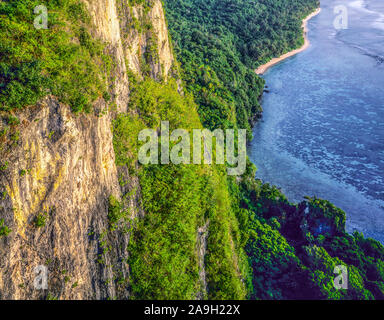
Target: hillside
{"points": [[74, 198]]}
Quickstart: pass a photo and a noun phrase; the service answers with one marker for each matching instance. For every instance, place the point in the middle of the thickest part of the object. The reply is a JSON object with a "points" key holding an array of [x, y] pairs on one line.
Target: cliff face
{"points": [[70, 173], [58, 176]]}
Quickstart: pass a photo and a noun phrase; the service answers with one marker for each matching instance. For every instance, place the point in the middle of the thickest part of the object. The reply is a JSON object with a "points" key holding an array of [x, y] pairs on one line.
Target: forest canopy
{"points": [[219, 44]]}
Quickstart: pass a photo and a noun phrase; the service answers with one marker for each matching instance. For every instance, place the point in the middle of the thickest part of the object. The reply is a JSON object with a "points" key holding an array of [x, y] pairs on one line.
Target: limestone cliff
{"points": [[57, 176]]}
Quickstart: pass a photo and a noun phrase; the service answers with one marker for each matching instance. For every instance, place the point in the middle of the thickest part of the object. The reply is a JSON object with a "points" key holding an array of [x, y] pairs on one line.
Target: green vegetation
{"points": [[116, 213], [292, 249], [63, 60], [177, 200], [12, 120], [50, 296], [4, 166], [41, 220], [4, 230], [144, 3], [3, 195]]}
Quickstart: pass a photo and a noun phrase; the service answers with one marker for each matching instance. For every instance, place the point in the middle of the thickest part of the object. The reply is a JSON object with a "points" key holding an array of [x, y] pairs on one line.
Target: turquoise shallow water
{"points": [[322, 131]]}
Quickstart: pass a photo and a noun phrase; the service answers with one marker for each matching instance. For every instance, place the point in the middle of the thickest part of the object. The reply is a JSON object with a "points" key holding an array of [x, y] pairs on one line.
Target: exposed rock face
{"points": [[63, 171], [70, 173], [156, 15], [202, 235], [105, 19], [139, 39]]}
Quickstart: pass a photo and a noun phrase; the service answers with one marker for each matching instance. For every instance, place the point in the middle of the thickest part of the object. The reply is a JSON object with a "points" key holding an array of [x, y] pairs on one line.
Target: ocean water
{"points": [[322, 131]]}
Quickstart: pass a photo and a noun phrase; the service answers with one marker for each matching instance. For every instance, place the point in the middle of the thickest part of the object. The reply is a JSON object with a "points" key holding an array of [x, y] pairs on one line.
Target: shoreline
{"points": [[263, 68]]}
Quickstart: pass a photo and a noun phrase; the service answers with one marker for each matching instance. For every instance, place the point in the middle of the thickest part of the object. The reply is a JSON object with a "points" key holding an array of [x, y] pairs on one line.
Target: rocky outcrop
{"points": [[107, 28], [145, 39], [57, 177], [62, 170], [202, 235]]}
